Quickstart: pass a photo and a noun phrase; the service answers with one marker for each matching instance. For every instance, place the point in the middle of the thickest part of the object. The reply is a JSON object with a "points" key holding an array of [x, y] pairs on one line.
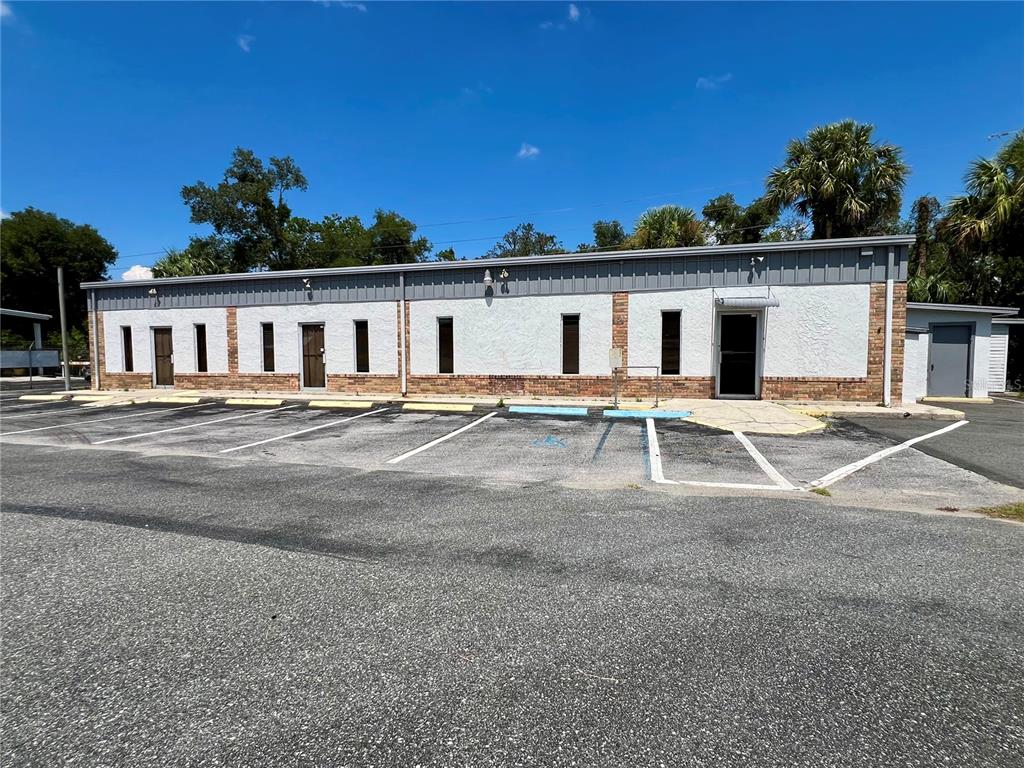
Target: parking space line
{"points": [[40, 407], [192, 426], [302, 431], [849, 469], [46, 397], [741, 486], [94, 421], [764, 464], [441, 439], [654, 454]]}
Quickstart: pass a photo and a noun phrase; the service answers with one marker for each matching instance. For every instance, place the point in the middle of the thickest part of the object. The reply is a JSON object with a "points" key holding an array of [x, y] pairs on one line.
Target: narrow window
{"points": [[445, 346], [126, 345], [570, 343], [268, 347], [200, 348], [362, 346], [670, 343]]}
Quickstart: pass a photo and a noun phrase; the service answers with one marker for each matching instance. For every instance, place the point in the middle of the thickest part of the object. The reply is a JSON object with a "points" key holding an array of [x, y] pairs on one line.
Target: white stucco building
{"points": [[810, 319]]}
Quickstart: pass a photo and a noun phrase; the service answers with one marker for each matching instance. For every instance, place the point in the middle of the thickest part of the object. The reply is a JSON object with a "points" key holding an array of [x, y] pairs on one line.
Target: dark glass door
{"points": [[313, 375], [737, 367]]}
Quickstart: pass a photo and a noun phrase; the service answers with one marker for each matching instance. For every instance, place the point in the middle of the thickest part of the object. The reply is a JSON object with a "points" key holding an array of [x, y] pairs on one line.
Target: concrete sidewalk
{"points": [[753, 416]]}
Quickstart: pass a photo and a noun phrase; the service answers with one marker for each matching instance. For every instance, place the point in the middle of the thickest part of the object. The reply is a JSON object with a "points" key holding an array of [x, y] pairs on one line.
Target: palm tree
{"points": [[668, 226], [844, 182], [994, 204]]}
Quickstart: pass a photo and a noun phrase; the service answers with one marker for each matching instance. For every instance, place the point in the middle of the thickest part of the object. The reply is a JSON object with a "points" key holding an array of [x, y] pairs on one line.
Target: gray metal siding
{"points": [[824, 266]]}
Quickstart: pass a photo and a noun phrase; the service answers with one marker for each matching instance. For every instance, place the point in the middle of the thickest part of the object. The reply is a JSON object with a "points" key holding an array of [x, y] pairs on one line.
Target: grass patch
{"points": [[821, 491], [1013, 511]]}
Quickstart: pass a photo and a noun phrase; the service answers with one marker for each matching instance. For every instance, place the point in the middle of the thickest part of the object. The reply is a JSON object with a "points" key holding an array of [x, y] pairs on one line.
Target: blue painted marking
{"points": [[653, 414], [548, 442], [548, 410]]}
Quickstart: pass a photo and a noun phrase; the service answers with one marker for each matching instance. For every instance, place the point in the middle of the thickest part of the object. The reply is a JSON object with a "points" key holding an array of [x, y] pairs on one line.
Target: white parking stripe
{"points": [[849, 469], [764, 464], [441, 439], [654, 455], [95, 421], [302, 431], [743, 486], [193, 426], [37, 404]]}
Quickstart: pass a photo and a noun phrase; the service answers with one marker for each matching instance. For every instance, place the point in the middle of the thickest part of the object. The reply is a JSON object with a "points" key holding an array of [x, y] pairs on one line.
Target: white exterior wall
{"points": [[999, 349], [819, 330], [339, 335], [182, 322], [915, 365], [511, 336]]}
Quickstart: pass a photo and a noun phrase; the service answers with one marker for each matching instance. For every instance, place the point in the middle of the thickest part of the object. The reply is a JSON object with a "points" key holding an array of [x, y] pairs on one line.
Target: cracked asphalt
{"points": [[174, 609]]}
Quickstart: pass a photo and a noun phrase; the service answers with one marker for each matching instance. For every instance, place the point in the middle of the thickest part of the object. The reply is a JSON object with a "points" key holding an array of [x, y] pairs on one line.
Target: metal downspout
{"points": [[401, 324], [95, 343]]}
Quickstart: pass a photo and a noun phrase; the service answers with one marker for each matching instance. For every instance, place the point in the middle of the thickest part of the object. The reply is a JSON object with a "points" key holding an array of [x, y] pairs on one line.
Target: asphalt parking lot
{"points": [[496, 447], [215, 585]]}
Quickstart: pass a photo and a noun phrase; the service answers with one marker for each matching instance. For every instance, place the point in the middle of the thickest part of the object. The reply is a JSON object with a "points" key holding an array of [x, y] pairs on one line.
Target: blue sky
{"points": [[488, 114]]}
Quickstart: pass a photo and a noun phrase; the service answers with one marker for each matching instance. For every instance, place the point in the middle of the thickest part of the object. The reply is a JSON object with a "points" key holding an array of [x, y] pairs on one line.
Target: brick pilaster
{"points": [[232, 322], [620, 324]]}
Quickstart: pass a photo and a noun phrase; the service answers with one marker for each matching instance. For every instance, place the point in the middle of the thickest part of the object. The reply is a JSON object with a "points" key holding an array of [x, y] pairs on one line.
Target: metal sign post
{"points": [[63, 330]]}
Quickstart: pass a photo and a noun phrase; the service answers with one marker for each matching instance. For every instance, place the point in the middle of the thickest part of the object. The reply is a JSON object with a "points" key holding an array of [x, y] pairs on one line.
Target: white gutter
{"points": [[401, 325], [887, 370]]}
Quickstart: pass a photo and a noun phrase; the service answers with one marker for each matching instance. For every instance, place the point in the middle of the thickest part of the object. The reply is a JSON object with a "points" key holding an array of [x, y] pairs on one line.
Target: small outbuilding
{"points": [[955, 350]]}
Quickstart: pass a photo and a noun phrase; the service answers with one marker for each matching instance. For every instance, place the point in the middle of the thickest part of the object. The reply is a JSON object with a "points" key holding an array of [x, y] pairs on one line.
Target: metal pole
{"points": [[63, 330]]}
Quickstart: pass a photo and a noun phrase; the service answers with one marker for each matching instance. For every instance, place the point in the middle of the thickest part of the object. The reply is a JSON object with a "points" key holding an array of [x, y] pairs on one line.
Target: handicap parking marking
{"points": [[441, 439], [193, 426], [334, 423], [95, 421], [764, 464], [548, 410], [635, 413], [657, 472], [843, 472]]}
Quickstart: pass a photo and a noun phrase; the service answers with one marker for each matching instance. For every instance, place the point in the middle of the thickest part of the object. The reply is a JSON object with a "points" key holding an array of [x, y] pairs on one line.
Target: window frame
{"points": [[127, 349], [579, 324], [202, 350], [264, 327], [679, 343], [365, 324], [437, 326]]}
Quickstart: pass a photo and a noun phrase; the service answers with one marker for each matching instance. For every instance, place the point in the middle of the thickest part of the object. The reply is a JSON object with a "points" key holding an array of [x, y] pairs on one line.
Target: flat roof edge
{"points": [[789, 245], [981, 308]]}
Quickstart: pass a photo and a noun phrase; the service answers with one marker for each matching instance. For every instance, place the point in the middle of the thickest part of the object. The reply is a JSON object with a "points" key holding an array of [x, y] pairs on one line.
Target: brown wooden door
{"points": [[163, 349], [313, 356]]}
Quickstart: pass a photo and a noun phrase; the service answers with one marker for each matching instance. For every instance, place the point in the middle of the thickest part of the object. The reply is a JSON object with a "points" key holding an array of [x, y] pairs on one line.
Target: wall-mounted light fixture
{"points": [[504, 274], [152, 292], [488, 280], [306, 284], [754, 260]]}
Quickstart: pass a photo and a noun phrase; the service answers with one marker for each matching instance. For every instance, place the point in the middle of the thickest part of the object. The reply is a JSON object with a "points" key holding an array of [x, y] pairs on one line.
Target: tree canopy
{"points": [[847, 184], [729, 223], [524, 240], [33, 244], [668, 226]]}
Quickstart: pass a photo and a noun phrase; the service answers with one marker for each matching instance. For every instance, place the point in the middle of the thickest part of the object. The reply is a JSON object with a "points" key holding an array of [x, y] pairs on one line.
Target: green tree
{"points": [[668, 226], [609, 235], [393, 240], [33, 244], [729, 223], [986, 227], [847, 185], [202, 256], [924, 217], [447, 254], [247, 210], [524, 240]]}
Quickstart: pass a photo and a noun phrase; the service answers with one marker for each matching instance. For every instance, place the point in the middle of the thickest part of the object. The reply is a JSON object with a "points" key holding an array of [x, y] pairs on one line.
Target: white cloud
{"points": [[137, 272], [713, 82], [5, 11], [547, 24], [245, 42], [4, 214], [526, 151], [574, 12], [361, 7]]}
